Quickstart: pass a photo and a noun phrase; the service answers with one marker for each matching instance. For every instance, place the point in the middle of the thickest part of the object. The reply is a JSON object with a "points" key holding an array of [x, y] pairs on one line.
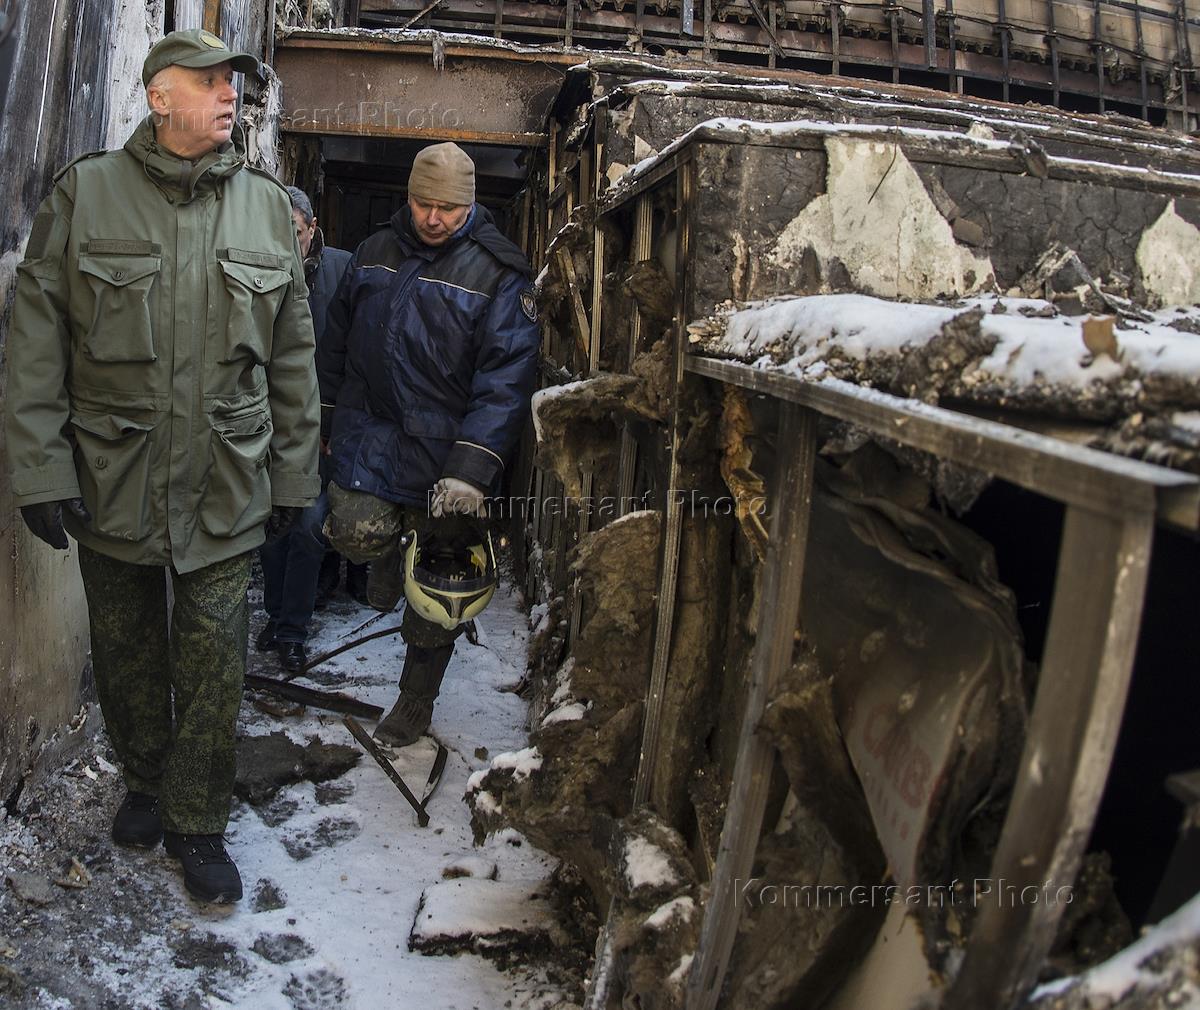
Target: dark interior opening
{"points": [[365, 182], [1138, 823]]}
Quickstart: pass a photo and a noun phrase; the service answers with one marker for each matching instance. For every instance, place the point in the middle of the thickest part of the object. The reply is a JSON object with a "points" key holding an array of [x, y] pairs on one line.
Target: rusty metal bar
{"points": [[1005, 34], [952, 54], [1141, 58], [498, 32], [773, 23], [929, 24], [372, 748], [1052, 42], [894, 22], [212, 16], [708, 30], [569, 37], [835, 27], [1098, 49]]}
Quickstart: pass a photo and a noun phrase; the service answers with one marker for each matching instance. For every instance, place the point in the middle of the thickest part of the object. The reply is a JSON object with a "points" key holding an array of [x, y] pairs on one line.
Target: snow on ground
{"points": [[346, 857]]}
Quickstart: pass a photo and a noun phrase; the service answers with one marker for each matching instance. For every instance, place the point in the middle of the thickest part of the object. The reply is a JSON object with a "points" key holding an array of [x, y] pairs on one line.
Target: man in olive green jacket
{"points": [[162, 407]]}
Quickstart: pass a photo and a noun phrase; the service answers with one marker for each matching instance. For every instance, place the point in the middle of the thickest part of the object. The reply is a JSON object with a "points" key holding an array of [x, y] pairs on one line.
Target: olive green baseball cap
{"points": [[194, 48]]}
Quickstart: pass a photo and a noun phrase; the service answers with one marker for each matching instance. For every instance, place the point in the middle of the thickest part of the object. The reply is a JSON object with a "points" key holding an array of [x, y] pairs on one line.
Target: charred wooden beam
{"points": [[1098, 595], [368, 88], [1075, 475], [783, 576], [327, 700]]}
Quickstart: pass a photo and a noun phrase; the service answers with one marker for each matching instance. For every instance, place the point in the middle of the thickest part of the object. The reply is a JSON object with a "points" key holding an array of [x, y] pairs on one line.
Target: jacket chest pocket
{"points": [[238, 492], [112, 458], [122, 327], [255, 294]]}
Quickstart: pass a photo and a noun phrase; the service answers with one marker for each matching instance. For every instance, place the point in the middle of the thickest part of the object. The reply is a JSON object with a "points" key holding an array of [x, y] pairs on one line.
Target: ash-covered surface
{"points": [[1134, 379], [333, 871]]}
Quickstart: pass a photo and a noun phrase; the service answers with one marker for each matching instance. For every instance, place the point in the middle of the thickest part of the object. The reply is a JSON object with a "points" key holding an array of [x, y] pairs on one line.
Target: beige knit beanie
{"points": [[443, 172]]}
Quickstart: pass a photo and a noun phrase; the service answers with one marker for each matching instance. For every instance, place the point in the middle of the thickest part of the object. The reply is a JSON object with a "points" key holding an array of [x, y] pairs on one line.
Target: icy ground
{"points": [[344, 861]]}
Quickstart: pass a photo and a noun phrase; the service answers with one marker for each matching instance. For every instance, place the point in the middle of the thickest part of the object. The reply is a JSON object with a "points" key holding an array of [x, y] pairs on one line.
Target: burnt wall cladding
{"points": [[1022, 216], [748, 194], [745, 198]]}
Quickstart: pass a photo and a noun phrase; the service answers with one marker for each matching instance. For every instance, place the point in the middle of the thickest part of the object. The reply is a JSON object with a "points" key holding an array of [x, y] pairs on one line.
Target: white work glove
{"points": [[452, 496]]}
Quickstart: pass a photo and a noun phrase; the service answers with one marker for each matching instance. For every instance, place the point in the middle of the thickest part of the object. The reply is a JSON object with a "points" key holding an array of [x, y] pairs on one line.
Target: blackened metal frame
{"points": [[1112, 505]]}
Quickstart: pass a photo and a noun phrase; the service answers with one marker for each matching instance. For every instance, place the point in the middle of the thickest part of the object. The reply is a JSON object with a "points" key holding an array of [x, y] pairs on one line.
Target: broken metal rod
{"points": [[372, 748], [327, 700], [317, 661]]}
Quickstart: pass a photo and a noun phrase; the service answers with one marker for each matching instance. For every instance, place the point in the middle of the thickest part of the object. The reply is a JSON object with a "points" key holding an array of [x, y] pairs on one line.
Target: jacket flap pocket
{"points": [[430, 423], [110, 426], [119, 270], [257, 278]]}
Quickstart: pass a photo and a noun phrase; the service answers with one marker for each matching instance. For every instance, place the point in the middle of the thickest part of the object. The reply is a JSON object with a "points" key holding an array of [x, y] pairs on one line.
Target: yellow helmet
{"points": [[449, 581]]}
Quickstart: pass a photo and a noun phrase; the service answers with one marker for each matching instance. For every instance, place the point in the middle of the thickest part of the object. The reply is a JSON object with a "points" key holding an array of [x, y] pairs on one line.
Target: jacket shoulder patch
{"points": [[529, 304], [75, 161]]}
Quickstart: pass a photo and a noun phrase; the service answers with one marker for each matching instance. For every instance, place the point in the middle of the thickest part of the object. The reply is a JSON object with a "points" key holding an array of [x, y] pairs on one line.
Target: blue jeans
{"points": [[290, 569]]}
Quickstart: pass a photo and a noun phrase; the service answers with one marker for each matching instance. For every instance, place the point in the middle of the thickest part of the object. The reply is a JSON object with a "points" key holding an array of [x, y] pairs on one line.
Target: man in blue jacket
{"points": [[292, 563], [426, 369]]}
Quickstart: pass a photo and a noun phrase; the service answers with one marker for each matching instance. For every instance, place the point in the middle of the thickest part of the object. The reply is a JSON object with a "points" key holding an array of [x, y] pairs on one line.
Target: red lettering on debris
{"points": [[905, 763]]}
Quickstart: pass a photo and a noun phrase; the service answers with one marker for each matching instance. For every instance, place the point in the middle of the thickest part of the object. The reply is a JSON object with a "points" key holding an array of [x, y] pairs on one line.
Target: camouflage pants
{"points": [[181, 752], [366, 528]]}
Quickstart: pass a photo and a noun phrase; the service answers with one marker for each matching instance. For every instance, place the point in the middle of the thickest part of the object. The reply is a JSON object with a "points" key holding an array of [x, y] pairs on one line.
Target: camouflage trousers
{"points": [[365, 528], [170, 695]]}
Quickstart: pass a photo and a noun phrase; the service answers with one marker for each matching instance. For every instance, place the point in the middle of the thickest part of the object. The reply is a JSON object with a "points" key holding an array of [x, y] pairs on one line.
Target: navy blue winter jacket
{"points": [[430, 356], [323, 269]]}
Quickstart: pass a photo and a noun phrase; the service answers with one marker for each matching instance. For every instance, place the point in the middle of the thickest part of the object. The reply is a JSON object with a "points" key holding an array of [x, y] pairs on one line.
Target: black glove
{"points": [[281, 521], [45, 520]]}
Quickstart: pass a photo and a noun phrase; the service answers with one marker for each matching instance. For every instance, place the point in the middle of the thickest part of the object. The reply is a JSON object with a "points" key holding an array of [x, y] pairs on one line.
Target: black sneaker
{"points": [[208, 872], [292, 656], [137, 822]]}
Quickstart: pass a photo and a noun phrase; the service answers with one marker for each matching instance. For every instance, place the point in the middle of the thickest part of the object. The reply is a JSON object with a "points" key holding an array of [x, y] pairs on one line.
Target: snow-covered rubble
{"points": [[1010, 351], [335, 871]]}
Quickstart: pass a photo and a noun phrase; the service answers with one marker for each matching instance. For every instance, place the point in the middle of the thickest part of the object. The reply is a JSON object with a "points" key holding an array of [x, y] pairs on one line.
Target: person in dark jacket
{"points": [[292, 563], [426, 371]]}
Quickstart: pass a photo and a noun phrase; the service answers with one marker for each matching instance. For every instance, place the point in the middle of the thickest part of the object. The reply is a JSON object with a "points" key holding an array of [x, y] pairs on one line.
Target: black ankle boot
{"points": [[208, 872], [420, 682], [137, 822]]}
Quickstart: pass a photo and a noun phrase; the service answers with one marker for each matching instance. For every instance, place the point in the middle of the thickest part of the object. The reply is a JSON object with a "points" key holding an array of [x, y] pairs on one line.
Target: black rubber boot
{"points": [[137, 822], [385, 580], [356, 582], [208, 872], [420, 682]]}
